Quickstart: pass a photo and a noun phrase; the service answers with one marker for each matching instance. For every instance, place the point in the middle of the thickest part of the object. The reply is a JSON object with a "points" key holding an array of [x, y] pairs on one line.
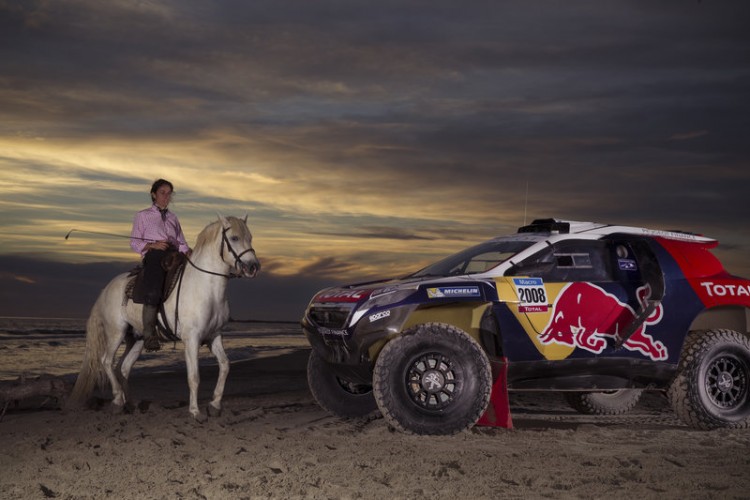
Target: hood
{"points": [[360, 292]]}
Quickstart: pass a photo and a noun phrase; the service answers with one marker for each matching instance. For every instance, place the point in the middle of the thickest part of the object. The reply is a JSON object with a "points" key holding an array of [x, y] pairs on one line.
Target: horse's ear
{"points": [[245, 219], [224, 221]]}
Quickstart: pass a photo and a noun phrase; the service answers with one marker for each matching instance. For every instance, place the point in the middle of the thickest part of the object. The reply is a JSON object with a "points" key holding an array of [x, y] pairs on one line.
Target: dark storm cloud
{"points": [[480, 87]]}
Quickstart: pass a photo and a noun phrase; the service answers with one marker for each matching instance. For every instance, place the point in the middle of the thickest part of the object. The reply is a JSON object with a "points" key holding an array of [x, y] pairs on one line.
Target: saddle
{"points": [[174, 265]]}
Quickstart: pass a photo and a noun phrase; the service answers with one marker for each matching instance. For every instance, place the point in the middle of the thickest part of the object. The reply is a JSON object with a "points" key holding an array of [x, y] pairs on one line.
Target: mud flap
{"points": [[498, 411]]}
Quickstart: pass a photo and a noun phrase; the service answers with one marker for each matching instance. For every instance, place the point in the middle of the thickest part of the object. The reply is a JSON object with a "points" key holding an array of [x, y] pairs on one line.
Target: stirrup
{"points": [[152, 343]]}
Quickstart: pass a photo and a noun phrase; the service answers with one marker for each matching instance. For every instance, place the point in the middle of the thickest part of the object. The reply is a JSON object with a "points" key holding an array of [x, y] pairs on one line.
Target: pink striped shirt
{"points": [[148, 224]]}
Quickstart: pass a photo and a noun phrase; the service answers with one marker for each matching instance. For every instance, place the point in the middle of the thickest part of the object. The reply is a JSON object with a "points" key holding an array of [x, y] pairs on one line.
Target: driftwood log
{"points": [[44, 386]]}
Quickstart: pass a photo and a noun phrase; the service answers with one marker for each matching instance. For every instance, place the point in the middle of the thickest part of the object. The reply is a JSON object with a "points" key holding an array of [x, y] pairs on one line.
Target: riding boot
{"points": [[150, 337]]}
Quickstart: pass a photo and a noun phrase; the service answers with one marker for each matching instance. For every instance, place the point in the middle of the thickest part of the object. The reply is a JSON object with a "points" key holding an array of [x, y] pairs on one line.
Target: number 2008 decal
{"points": [[532, 294]]}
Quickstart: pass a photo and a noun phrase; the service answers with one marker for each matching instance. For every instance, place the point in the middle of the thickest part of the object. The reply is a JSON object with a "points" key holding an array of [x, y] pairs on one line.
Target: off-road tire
{"points": [[614, 402], [335, 395], [432, 380], [712, 386]]}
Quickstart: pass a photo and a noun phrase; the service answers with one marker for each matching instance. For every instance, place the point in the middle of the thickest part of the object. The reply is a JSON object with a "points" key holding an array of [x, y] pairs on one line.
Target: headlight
{"points": [[379, 298], [385, 296]]}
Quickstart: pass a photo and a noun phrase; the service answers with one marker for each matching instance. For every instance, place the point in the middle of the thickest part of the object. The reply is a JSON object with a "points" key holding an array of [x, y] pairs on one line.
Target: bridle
{"points": [[237, 257], [238, 264]]}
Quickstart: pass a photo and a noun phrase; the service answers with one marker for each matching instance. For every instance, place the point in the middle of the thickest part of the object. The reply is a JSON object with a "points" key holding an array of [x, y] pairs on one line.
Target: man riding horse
{"points": [[222, 251], [156, 233]]}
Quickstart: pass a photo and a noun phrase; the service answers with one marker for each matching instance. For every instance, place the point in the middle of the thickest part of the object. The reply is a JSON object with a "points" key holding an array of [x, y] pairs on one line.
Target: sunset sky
{"points": [[363, 139]]}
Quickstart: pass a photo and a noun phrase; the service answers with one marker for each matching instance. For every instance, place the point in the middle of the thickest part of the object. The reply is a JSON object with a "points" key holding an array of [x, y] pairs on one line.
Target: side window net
{"points": [[574, 261], [568, 261]]}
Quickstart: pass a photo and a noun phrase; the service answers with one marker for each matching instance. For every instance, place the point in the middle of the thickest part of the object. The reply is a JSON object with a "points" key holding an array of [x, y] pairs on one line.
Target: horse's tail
{"points": [[92, 373]]}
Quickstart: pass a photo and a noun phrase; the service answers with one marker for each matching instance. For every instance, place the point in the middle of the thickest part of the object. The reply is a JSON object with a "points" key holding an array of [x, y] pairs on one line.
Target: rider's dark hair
{"points": [[159, 183]]}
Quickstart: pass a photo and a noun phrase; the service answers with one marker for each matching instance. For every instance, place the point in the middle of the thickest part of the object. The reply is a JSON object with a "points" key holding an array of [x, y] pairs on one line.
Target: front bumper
{"points": [[351, 350]]}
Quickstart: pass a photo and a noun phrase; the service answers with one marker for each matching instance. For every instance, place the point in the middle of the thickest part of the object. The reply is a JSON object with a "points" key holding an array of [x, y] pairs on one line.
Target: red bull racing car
{"points": [[599, 311]]}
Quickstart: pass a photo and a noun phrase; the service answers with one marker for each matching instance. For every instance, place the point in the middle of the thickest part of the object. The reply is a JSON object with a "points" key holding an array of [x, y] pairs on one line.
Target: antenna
{"points": [[525, 202]]}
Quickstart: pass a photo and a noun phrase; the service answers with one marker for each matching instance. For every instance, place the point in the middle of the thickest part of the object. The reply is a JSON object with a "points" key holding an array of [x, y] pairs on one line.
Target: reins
{"points": [[237, 264], [227, 276]]}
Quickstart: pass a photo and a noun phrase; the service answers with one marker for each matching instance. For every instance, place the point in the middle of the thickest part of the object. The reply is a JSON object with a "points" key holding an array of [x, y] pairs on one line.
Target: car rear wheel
{"points": [[434, 379], [336, 395], [712, 386], [605, 402]]}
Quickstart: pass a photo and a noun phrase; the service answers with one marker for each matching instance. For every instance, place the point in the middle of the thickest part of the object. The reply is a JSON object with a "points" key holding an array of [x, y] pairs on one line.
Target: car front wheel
{"points": [[712, 386], [434, 379], [338, 396]]}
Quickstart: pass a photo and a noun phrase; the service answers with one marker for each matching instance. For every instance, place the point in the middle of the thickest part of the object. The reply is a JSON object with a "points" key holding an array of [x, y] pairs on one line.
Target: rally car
{"points": [[599, 311]]}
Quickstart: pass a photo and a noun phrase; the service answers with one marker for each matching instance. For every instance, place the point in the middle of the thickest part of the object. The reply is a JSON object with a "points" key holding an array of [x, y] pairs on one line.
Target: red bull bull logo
{"points": [[585, 316]]}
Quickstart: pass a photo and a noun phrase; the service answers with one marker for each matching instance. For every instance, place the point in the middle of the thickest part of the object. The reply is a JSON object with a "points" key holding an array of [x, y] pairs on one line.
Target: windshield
{"points": [[474, 260]]}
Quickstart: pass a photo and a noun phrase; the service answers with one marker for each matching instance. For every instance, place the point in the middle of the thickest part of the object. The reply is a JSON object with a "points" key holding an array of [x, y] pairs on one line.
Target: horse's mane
{"points": [[210, 233]]}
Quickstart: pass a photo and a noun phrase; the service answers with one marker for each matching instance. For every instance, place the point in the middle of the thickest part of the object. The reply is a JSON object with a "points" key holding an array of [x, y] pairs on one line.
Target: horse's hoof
{"points": [[152, 344], [116, 409], [200, 417], [213, 411]]}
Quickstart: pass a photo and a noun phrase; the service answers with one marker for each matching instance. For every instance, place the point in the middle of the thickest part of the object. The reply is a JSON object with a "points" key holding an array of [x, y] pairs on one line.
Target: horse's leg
{"points": [[129, 357], [191, 361], [107, 360], [132, 352], [217, 348]]}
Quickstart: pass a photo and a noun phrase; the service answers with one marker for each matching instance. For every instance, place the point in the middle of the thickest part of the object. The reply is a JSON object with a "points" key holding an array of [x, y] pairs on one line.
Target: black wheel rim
{"points": [[432, 382], [727, 382]]}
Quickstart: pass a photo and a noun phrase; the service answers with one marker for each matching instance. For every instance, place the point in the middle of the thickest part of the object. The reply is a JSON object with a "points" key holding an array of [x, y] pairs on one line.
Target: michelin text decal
{"points": [[444, 292]]}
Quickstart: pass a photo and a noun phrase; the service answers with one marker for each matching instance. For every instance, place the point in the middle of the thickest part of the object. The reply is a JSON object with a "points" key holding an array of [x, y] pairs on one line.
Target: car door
{"points": [[581, 298], [636, 268]]}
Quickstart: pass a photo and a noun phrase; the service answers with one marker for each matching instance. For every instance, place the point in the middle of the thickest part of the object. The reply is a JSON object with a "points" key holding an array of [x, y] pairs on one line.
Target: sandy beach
{"points": [[273, 441]]}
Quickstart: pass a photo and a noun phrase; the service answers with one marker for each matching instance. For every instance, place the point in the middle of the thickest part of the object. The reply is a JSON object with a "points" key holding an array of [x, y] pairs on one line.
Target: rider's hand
{"points": [[158, 245]]}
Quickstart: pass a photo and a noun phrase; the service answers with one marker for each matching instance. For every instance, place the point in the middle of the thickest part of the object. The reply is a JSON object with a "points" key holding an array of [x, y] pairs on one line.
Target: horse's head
{"points": [[234, 246], [237, 247]]}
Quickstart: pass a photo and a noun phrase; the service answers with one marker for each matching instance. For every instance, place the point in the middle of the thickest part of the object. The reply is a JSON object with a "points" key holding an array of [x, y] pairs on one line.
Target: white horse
{"points": [[223, 250]]}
